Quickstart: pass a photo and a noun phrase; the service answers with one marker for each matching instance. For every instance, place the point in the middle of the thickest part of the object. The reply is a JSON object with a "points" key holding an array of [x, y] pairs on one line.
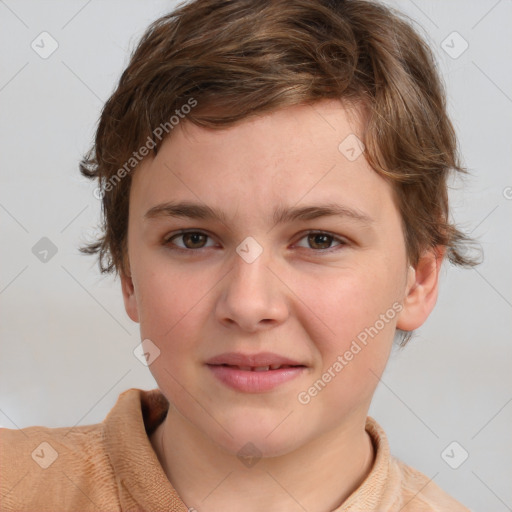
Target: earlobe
{"points": [[421, 290], [129, 297]]}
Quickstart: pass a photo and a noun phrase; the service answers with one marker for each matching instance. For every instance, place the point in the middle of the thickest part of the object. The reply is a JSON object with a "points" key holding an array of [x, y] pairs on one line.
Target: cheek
{"points": [[167, 295], [161, 306], [169, 305], [174, 305], [354, 337], [343, 303]]}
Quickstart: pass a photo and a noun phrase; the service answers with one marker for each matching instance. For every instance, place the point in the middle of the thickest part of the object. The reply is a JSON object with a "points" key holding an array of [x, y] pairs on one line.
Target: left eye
{"points": [[317, 240], [321, 241]]}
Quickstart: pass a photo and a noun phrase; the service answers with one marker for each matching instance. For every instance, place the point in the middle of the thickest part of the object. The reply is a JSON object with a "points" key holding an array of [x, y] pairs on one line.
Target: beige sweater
{"points": [[111, 466]]}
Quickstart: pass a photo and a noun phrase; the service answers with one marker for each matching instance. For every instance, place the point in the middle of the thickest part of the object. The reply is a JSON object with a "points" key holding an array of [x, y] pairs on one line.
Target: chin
{"points": [[260, 439]]}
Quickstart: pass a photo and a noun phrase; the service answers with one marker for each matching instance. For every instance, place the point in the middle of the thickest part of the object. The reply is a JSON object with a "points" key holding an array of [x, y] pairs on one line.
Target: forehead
{"points": [[303, 154]]}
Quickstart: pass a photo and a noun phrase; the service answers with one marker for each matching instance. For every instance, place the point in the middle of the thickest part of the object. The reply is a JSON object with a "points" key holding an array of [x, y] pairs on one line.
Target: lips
{"points": [[254, 373], [261, 368], [262, 361]]}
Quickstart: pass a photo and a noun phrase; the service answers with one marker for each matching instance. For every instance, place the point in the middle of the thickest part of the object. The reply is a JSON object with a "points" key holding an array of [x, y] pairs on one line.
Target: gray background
{"points": [[66, 341]]}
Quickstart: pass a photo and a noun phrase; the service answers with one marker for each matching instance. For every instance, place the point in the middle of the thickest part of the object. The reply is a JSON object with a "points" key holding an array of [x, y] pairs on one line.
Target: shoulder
{"points": [[43, 467], [421, 494]]}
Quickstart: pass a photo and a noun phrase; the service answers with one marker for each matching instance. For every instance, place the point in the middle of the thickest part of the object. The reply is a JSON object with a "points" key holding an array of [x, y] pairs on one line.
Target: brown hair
{"points": [[238, 58]]}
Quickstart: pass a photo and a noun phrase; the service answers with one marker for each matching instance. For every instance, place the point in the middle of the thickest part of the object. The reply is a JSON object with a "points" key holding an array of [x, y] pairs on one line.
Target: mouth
{"points": [[262, 361], [265, 368], [254, 373]]}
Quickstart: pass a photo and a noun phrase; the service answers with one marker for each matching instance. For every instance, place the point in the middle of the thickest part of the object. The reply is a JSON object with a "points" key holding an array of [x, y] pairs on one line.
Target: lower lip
{"points": [[254, 382]]}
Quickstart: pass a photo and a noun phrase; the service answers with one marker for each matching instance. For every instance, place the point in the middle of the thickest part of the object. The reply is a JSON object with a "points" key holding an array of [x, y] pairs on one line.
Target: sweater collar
{"points": [[380, 490], [143, 483]]}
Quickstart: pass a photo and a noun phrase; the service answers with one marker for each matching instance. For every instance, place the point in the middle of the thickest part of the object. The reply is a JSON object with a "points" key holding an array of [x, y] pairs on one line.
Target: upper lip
{"points": [[252, 360]]}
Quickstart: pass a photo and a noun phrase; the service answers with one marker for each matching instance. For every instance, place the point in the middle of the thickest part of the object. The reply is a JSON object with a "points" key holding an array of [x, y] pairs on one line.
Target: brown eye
{"points": [[194, 240], [189, 241], [320, 240]]}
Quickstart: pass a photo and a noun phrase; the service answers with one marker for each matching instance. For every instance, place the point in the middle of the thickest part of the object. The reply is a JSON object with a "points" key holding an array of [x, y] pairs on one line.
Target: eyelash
{"points": [[168, 240]]}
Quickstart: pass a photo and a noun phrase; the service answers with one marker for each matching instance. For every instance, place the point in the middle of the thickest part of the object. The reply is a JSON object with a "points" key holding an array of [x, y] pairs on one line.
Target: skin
{"points": [[303, 298]]}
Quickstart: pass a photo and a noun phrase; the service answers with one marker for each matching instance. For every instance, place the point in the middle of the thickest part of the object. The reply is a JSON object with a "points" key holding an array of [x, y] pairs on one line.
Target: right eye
{"points": [[192, 240]]}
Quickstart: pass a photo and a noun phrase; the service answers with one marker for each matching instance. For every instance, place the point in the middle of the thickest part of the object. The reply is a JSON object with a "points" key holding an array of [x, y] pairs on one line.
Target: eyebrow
{"points": [[281, 215]]}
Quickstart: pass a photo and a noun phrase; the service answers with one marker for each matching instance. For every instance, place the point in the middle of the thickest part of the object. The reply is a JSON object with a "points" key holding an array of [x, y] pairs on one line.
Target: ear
{"points": [[422, 290], [129, 297]]}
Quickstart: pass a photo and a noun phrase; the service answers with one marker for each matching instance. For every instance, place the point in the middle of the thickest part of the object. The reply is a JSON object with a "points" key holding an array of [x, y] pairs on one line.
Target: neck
{"points": [[318, 477]]}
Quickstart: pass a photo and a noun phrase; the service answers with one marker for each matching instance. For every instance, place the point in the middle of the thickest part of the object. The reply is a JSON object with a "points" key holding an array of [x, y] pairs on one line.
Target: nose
{"points": [[253, 298]]}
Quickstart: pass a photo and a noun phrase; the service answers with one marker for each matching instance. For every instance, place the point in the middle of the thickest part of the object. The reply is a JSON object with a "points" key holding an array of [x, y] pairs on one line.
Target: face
{"points": [[271, 279]]}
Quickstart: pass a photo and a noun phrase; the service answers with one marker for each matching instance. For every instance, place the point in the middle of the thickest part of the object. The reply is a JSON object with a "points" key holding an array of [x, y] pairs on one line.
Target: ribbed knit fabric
{"points": [[111, 466]]}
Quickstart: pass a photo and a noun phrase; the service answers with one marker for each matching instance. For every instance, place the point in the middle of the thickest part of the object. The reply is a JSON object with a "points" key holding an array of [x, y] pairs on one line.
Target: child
{"points": [[273, 177]]}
